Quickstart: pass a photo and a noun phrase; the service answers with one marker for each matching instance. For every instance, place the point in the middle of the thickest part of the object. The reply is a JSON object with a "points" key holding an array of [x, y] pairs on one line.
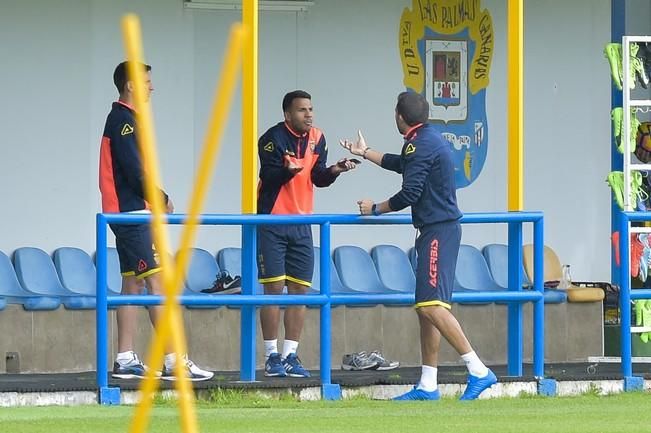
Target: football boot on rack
{"points": [[613, 53], [637, 67]]}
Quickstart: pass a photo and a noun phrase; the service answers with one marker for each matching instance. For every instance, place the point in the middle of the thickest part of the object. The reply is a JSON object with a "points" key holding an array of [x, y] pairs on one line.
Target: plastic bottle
{"points": [[566, 278]]}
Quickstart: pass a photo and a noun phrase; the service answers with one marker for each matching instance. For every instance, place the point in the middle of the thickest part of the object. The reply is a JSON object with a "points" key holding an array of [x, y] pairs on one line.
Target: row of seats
{"points": [[40, 282]]}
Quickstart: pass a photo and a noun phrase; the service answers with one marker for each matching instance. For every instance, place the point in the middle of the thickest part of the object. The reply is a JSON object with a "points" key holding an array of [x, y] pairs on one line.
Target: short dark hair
{"points": [[296, 94], [120, 75], [413, 108]]}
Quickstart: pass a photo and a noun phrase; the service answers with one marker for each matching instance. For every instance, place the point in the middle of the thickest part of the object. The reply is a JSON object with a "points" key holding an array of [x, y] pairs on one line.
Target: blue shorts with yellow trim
{"points": [[136, 250], [285, 252], [437, 247]]}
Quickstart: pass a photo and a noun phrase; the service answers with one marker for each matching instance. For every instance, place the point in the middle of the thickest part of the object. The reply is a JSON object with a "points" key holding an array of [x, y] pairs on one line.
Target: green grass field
{"points": [[235, 413]]}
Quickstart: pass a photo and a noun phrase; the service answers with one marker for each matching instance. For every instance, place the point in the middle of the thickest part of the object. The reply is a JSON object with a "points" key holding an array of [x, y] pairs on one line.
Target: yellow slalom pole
{"points": [[171, 324], [515, 104], [250, 107], [223, 96]]}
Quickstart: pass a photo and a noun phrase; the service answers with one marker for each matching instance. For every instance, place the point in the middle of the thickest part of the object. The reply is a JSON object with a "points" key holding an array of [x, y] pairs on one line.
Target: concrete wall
{"points": [[64, 341]]}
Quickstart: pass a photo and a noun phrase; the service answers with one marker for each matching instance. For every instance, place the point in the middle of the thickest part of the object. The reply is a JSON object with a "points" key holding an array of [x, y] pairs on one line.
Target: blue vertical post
{"points": [[514, 363], [617, 31], [326, 322], [247, 313], [329, 391], [101, 309], [625, 296], [539, 305]]}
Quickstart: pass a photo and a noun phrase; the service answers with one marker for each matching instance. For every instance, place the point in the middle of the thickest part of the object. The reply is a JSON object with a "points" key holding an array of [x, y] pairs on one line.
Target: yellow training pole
{"points": [[172, 324], [223, 96], [250, 107], [515, 104]]}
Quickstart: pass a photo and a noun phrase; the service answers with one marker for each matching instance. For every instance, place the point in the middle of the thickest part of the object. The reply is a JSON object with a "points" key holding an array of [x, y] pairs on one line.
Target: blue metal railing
{"points": [[515, 296], [626, 295]]}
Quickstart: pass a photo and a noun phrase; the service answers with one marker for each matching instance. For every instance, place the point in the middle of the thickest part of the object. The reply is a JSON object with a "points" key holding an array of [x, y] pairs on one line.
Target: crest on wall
{"points": [[446, 49]]}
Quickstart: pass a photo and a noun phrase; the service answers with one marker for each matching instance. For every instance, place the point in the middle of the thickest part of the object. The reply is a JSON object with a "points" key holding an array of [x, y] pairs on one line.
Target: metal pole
{"points": [[247, 314], [514, 363], [326, 319], [101, 308], [625, 294], [538, 306]]}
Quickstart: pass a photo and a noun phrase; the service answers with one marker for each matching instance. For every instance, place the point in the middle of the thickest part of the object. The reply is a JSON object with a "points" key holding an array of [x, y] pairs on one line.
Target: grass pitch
{"points": [[237, 412]]}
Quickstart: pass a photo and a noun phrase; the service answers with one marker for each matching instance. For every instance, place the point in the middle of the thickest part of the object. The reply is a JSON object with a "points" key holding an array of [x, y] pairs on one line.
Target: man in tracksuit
{"points": [[427, 169], [293, 157], [121, 181]]}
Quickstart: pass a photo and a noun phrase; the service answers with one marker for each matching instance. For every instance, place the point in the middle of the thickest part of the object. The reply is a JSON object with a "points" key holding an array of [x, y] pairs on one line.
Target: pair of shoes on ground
{"points": [[276, 366], [474, 386], [134, 368], [640, 62], [225, 284], [367, 361]]}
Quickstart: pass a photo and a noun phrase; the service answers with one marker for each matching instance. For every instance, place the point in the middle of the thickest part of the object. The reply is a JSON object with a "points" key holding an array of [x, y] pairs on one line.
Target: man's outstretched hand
{"points": [[356, 148]]}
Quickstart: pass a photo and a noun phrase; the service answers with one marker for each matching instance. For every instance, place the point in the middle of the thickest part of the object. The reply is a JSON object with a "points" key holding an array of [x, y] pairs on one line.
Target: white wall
{"points": [[567, 130], [57, 68]]}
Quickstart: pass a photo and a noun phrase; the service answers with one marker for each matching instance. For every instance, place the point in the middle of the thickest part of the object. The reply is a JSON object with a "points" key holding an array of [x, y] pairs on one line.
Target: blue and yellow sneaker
{"points": [[273, 367], [476, 385], [293, 366], [418, 394]]}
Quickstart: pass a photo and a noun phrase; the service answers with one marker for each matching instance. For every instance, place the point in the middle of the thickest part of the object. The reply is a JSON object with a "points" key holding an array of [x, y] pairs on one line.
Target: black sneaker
{"points": [[225, 284]]}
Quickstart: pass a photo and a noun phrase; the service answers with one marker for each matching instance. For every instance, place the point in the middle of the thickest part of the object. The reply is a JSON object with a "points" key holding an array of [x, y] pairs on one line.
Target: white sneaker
{"points": [[195, 374]]}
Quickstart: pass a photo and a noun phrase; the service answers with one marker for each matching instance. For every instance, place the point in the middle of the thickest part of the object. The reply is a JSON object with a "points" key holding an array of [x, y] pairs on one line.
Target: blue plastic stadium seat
{"points": [[336, 287], [413, 259], [497, 258], [76, 270], [201, 275], [113, 275], [357, 270], [393, 268], [36, 273], [230, 259], [472, 273], [202, 271], [14, 293]]}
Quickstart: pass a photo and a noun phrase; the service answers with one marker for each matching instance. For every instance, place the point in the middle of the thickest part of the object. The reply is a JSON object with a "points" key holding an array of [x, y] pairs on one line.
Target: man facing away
{"points": [[427, 169], [293, 157], [121, 181]]}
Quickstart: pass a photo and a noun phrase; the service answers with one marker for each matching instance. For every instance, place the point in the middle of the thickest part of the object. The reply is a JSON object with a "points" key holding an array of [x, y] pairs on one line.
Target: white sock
{"points": [[474, 364], [289, 346], [428, 378], [170, 360], [124, 357], [270, 346]]}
